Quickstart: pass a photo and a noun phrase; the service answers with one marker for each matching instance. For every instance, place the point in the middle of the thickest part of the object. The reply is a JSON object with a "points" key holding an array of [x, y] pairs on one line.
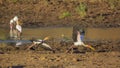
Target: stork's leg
{"points": [[30, 46], [11, 33], [53, 50], [71, 48]]}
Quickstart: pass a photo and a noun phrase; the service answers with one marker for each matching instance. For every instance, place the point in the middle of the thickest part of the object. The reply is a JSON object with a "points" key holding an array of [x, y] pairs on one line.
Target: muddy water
{"points": [[91, 33], [103, 33], [51, 32]]}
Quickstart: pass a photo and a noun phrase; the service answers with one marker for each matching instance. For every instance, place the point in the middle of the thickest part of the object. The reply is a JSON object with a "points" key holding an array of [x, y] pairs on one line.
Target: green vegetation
{"points": [[14, 1], [113, 3], [64, 15], [19, 1], [81, 9], [11, 1]]}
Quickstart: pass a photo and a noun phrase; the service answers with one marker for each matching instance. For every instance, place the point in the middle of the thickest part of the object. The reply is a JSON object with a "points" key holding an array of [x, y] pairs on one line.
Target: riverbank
{"points": [[106, 51]]}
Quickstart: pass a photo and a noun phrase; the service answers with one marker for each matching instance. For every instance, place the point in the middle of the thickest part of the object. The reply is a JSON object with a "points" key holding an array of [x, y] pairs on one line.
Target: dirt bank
{"points": [[27, 59], [101, 13], [107, 55]]}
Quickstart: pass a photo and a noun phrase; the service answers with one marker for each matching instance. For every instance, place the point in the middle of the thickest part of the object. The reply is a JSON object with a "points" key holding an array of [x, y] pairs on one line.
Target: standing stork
{"points": [[18, 27]]}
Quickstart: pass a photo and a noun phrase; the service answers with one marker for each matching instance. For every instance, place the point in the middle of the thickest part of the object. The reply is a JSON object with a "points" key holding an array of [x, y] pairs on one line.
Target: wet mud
{"points": [[106, 56]]}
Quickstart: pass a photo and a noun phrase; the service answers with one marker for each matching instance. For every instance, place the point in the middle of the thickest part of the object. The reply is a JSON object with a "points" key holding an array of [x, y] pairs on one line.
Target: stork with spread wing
{"points": [[79, 42], [40, 42]]}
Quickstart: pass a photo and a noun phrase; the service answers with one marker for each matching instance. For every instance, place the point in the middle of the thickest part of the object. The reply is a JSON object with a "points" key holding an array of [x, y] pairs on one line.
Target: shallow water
{"points": [[103, 33], [91, 33], [44, 32]]}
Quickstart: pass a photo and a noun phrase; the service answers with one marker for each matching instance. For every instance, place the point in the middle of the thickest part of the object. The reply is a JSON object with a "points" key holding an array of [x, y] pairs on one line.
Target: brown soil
{"points": [[29, 59], [107, 55], [101, 13]]}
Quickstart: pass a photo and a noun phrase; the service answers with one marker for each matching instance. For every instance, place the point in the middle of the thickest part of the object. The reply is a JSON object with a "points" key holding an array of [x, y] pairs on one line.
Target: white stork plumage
{"points": [[40, 42], [79, 42]]}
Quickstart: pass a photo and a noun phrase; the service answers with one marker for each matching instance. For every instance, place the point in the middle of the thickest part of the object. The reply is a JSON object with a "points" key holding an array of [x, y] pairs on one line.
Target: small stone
{"points": [[42, 58]]}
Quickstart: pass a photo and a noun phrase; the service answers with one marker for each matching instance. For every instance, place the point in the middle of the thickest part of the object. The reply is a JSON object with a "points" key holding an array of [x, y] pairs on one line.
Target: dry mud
{"points": [[40, 13], [31, 59]]}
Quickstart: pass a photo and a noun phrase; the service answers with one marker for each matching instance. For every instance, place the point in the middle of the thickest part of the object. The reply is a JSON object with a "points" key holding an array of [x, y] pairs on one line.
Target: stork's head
{"points": [[15, 18], [11, 21]]}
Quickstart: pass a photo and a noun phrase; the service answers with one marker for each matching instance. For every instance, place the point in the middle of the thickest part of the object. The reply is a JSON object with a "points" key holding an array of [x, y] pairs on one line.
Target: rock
{"points": [[42, 58], [76, 59]]}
